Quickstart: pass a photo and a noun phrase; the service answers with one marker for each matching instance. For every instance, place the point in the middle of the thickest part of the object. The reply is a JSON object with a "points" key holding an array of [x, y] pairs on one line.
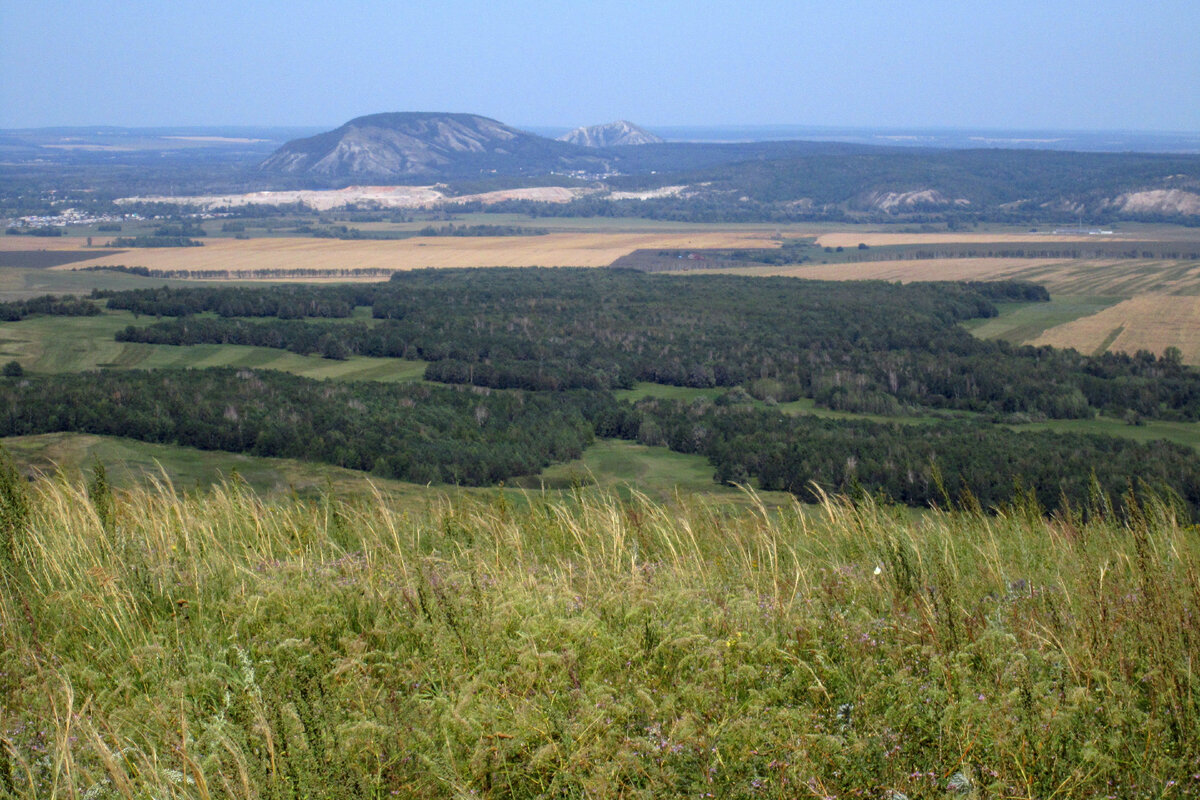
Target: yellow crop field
{"points": [[1147, 322], [1121, 278], [851, 239], [13, 243], [947, 269], [550, 250]]}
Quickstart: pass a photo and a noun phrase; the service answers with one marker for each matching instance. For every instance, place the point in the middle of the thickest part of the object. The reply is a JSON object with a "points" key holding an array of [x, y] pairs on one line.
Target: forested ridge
{"points": [[478, 437], [956, 462], [414, 432], [872, 347]]}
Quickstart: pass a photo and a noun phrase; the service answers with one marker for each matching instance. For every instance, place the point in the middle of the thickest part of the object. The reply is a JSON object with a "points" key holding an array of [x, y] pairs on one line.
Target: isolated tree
{"points": [[12, 369]]}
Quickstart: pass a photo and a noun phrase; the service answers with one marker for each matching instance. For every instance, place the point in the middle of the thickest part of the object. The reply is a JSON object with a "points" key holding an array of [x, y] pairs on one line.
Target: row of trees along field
{"points": [[871, 347], [64, 306]]}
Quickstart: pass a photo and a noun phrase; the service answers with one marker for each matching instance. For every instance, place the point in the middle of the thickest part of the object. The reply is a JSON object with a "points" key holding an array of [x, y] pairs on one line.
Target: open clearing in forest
{"points": [[39, 344], [658, 473], [550, 250]]}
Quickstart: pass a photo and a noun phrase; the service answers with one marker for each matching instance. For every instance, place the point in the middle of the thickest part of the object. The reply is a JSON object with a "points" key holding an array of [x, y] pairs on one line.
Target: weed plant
{"points": [[215, 645]]}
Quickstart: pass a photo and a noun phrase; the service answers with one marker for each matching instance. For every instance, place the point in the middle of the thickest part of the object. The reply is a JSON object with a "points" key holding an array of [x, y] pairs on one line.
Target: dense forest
{"points": [[871, 347], [414, 432], [529, 360], [955, 462], [477, 437]]}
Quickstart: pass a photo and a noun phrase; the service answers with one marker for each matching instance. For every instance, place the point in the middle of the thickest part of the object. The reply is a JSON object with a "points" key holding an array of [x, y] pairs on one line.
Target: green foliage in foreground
{"points": [[219, 646]]}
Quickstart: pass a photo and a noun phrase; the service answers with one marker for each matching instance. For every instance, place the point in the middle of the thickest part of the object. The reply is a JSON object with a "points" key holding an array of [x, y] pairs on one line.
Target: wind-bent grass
{"points": [[217, 645]]}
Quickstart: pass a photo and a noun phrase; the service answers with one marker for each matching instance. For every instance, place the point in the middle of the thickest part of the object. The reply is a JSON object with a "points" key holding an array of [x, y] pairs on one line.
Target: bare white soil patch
{"points": [[1160, 201], [381, 196]]}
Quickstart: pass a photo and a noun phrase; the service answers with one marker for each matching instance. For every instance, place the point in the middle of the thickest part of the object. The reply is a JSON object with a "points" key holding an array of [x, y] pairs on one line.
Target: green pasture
{"points": [[608, 466], [658, 473], [1020, 323], [17, 282], [77, 344]]}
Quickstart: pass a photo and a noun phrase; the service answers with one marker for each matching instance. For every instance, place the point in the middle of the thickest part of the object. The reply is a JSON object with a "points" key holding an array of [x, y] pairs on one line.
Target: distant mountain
{"points": [[614, 134], [425, 145]]}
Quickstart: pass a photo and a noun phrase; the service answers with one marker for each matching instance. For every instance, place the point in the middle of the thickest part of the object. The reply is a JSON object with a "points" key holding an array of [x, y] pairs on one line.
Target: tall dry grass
{"points": [[217, 645]]}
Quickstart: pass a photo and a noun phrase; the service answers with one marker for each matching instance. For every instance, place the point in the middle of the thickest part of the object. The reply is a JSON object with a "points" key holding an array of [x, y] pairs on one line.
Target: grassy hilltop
{"points": [[217, 645]]}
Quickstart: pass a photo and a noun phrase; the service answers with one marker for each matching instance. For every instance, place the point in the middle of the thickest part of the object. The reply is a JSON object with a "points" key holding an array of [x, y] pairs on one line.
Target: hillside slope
{"points": [[420, 144], [621, 133]]}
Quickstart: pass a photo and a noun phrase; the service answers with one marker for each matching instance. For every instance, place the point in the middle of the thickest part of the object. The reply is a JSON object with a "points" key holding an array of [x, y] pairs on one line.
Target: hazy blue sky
{"points": [[937, 63]]}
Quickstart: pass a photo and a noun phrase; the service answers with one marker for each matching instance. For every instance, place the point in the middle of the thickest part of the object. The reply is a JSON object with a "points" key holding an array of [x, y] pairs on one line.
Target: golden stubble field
{"points": [[1160, 309], [1151, 322], [1060, 276], [550, 250], [879, 239]]}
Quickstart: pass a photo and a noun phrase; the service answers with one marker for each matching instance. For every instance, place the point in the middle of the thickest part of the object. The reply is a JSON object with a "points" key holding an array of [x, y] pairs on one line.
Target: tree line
{"points": [[59, 306], [470, 436]]}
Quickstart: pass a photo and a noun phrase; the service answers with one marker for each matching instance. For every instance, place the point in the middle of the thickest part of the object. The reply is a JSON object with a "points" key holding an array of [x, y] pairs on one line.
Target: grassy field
{"points": [[1021, 323], [131, 464], [39, 344], [1146, 322], [217, 645], [17, 283], [625, 468]]}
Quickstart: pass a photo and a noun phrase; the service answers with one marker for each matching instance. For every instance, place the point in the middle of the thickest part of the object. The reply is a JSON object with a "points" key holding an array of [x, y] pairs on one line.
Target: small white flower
{"points": [[879, 570]]}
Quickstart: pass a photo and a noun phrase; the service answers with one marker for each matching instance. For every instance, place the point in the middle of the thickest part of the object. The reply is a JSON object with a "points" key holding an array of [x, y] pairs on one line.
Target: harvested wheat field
{"points": [[941, 269], [551, 250], [1148, 322], [1120, 278], [851, 239], [11, 243]]}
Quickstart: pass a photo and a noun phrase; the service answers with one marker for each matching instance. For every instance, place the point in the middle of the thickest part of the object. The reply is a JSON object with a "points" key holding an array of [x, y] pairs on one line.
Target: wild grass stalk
{"points": [[217, 645]]}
